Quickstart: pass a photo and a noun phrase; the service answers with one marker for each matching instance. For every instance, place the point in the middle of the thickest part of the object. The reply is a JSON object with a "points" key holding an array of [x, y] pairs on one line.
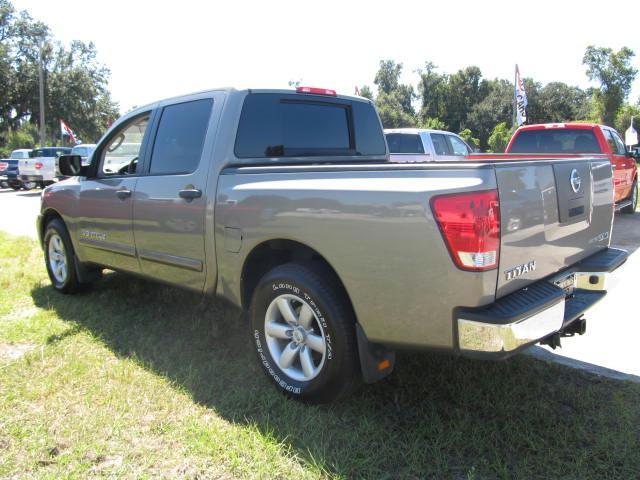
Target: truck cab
{"points": [[583, 138], [416, 145]]}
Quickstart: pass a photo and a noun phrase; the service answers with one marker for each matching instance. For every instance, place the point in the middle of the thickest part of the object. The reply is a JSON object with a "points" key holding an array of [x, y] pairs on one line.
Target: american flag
{"points": [[66, 130]]}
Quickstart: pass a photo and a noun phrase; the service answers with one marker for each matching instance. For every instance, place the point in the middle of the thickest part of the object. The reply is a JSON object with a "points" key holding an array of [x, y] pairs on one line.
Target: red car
{"points": [[583, 138]]}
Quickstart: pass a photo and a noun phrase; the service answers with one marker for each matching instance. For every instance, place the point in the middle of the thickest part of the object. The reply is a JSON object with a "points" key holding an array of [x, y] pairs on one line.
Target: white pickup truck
{"points": [[41, 167], [418, 145]]}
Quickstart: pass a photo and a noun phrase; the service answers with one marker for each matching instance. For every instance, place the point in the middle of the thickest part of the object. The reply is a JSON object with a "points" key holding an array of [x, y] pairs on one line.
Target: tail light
{"points": [[39, 165], [3, 166], [316, 91], [470, 225]]}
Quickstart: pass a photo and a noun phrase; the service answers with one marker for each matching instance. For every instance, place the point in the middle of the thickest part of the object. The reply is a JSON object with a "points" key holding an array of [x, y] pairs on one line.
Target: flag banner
{"points": [[521, 99], [631, 136], [357, 92], [66, 130]]}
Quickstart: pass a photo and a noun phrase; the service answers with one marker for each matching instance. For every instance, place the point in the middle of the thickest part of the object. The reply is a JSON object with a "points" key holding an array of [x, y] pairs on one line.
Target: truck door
{"points": [[105, 207], [622, 167], [171, 197]]}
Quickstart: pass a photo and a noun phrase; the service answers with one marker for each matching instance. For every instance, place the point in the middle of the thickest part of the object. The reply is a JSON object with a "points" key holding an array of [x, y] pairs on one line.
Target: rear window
{"points": [[49, 152], [273, 125], [404, 143], [555, 141]]}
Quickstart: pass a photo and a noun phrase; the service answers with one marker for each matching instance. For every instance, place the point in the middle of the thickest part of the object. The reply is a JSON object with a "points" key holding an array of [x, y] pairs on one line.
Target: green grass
{"points": [[136, 380]]}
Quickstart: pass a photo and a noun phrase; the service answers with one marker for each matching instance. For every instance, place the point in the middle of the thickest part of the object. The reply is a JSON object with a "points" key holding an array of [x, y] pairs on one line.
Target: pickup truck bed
{"points": [[285, 204]]}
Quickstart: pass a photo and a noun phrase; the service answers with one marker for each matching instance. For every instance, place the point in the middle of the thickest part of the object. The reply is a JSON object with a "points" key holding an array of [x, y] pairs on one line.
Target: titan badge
{"points": [[515, 272]]}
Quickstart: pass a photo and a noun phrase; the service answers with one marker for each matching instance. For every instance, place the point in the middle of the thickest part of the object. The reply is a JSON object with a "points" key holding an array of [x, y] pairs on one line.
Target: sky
{"points": [[161, 49]]}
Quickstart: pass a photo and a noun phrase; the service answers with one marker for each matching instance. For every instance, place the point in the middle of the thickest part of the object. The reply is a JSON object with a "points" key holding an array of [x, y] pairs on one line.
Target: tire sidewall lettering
{"points": [[291, 386]]}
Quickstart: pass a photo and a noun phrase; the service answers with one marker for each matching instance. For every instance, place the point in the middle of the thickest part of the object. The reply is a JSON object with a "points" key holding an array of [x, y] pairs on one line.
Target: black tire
{"points": [[16, 186], [54, 230], [634, 200], [338, 372]]}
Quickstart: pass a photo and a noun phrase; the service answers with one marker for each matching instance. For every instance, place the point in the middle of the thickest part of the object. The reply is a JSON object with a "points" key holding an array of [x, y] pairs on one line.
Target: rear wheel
{"points": [[60, 257], [15, 186], [304, 334], [634, 200]]}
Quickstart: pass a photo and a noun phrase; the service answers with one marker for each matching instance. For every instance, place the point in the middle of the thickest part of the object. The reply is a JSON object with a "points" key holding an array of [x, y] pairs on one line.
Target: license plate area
{"points": [[566, 282]]}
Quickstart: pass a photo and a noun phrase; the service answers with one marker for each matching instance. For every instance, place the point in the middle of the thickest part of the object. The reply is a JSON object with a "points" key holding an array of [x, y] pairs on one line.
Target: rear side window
{"points": [[273, 125], [617, 146], [555, 141], [440, 144], [404, 143], [180, 137]]}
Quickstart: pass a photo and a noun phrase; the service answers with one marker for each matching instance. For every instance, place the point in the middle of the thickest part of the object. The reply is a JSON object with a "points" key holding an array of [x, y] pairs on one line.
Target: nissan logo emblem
{"points": [[576, 181]]}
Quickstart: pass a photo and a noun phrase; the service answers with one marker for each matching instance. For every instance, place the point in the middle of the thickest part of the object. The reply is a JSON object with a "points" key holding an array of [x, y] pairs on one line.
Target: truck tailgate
{"points": [[27, 166], [553, 214]]}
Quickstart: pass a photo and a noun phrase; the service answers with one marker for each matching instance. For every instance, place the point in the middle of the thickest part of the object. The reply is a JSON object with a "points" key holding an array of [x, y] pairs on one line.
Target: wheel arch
{"points": [[48, 215], [272, 253]]}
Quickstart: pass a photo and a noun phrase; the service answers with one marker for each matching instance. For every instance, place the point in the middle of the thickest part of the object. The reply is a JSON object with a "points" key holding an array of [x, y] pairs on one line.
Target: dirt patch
{"points": [[19, 314], [13, 351]]}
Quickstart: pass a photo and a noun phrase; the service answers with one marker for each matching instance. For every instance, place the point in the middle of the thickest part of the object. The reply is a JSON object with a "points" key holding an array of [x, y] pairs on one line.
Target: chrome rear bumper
{"points": [[529, 315]]}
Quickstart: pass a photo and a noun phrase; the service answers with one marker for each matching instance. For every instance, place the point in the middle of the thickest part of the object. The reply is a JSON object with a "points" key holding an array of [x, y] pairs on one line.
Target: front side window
{"points": [[180, 138], [440, 144], [120, 155], [458, 147]]}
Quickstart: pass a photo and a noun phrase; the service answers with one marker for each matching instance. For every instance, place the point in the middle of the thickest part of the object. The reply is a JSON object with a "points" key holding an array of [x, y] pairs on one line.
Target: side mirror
{"points": [[71, 166]]}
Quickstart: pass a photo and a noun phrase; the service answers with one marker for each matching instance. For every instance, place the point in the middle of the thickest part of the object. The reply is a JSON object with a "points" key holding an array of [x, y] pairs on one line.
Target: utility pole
{"points": [[41, 75]]}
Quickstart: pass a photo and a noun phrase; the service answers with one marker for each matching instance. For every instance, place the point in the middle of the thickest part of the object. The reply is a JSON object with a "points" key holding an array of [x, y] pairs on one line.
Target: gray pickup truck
{"points": [[286, 204]]}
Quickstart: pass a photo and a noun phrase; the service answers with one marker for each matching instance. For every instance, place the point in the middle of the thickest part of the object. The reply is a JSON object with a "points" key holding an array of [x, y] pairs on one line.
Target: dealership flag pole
{"points": [[520, 100]]}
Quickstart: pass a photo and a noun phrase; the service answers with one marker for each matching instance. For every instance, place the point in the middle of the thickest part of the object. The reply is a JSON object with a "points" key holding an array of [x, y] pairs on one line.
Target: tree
{"points": [[366, 92], [496, 107], [76, 84], [467, 136], [432, 92], [499, 138], [615, 75], [433, 124], [394, 100]]}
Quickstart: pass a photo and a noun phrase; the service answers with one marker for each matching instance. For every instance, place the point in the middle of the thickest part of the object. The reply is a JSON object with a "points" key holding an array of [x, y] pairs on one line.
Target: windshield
{"points": [[20, 154], [555, 141]]}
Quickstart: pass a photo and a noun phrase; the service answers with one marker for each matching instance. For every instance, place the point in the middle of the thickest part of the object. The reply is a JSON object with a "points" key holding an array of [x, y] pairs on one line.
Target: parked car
{"points": [[584, 138], [285, 203], [410, 145], [9, 171], [41, 166], [84, 150]]}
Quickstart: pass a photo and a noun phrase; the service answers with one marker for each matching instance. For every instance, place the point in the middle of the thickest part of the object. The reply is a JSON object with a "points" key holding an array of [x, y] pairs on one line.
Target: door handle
{"points": [[190, 193], [123, 194]]}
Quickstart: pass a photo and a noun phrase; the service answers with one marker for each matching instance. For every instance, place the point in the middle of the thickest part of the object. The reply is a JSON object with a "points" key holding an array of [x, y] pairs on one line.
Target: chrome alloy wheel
{"points": [[295, 337], [58, 258]]}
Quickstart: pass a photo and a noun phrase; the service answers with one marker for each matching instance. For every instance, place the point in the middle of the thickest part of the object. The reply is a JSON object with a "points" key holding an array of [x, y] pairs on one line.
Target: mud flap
{"points": [[376, 361], [84, 274]]}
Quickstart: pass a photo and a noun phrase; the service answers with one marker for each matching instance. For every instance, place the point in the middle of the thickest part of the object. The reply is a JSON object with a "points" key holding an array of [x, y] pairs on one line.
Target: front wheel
{"points": [[303, 330], [634, 199], [60, 258]]}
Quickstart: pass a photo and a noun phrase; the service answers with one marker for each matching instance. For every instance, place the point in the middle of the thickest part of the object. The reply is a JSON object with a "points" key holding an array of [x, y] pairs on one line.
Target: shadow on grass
{"points": [[434, 417]]}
